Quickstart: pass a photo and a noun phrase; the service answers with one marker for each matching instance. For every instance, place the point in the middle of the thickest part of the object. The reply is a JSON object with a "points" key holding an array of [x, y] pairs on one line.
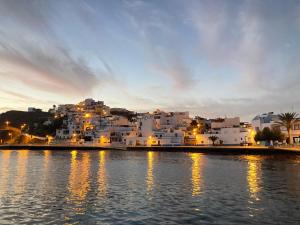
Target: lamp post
{"points": [[23, 126], [7, 123], [10, 135], [75, 137]]}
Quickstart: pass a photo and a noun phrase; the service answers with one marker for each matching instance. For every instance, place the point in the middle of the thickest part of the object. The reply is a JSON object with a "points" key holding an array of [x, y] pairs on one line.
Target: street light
{"points": [[7, 123], [10, 135], [74, 137]]}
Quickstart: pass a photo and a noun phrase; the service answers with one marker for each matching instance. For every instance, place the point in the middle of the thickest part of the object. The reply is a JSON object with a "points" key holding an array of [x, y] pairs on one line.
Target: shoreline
{"points": [[240, 150]]}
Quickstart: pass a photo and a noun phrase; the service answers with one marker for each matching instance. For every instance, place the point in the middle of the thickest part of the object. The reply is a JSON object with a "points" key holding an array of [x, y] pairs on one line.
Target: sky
{"points": [[212, 58]]}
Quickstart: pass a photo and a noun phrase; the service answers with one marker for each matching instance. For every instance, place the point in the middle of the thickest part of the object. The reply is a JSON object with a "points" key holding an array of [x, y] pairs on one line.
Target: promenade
{"points": [[200, 149]]}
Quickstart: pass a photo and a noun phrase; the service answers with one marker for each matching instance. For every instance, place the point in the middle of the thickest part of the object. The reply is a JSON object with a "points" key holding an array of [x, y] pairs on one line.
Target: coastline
{"points": [[240, 150]]}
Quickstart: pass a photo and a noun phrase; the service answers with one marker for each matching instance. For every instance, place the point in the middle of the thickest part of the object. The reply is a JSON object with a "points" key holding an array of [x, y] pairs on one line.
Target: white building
{"points": [[159, 128], [228, 131], [296, 133], [264, 120], [225, 123], [270, 120]]}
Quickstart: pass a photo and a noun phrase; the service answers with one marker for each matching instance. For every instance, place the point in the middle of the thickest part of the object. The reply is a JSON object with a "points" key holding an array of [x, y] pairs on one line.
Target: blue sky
{"points": [[212, 58]]}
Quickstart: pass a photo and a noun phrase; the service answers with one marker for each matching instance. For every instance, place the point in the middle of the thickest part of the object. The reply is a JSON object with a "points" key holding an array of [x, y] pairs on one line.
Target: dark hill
{"points": [[34, 122], [17, 118]]}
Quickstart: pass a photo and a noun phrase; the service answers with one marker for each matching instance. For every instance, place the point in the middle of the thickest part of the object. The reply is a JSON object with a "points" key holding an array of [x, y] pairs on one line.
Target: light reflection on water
{"points": [[47, 159], [150, 178], [196, 173], [254, 175], [79, 181], [20, 181], [110, 187], [4, 172], [102, 175]]}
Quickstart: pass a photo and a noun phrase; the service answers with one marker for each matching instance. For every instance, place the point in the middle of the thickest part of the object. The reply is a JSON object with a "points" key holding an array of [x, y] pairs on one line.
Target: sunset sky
{"points": [[212, 58]]}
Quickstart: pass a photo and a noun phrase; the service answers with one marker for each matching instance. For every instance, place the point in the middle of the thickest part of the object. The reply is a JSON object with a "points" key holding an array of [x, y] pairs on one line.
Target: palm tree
{"points": [[287, 120], [213, 139]]}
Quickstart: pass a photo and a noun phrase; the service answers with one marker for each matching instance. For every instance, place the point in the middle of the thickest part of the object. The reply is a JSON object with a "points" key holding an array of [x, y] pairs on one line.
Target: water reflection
{"points": [[254, 175], [4, 171], [223, 197], [21, 173], [79, 182], [47, 158], [45, 174], [102, 175], [196, 178], [150, 178]]}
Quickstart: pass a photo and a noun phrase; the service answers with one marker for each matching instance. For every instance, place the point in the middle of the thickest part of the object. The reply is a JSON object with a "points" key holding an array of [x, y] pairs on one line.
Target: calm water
{"points": [[115, 187]]}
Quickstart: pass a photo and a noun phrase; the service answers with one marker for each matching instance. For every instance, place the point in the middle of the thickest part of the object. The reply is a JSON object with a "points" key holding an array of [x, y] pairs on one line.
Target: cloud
{"points": [[162, 53], [159, 39], [19, 97], [253, 38], [41, 60], [49, 68], [174, 68]]}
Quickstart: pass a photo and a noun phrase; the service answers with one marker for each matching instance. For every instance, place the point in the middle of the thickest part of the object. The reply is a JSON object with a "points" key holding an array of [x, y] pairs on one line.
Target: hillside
{"points": [[17, 118], [33, 120]]}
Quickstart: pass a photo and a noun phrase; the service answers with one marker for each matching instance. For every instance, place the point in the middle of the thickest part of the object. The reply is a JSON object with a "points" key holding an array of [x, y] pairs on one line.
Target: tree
{"points": [[213, 139], [287, 120], [258, 136], [277, 134], [194, 123], [268, 135]]}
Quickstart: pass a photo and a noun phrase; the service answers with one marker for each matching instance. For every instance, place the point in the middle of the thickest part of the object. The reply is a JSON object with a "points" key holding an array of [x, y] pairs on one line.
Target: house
{"points": [[261, 121], [229, 131], [270, 120]]}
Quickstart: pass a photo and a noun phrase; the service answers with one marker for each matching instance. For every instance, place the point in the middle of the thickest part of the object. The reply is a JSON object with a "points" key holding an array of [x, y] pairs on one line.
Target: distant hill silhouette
{"points": [[34, 121], [17, 118]]}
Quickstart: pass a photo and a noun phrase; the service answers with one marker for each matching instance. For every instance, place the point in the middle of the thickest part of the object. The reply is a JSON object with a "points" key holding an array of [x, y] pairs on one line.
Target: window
{"points": [[297, 127]]}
